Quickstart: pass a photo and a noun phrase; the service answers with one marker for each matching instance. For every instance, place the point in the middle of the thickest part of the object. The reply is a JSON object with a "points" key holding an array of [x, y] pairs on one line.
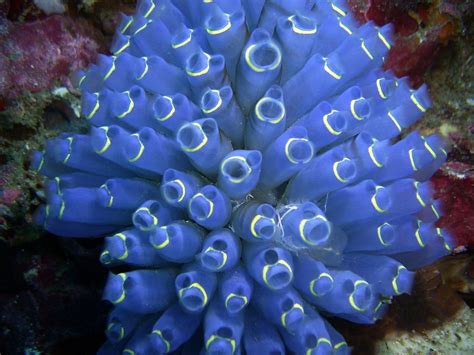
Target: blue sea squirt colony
{"points": [[244, 165]]}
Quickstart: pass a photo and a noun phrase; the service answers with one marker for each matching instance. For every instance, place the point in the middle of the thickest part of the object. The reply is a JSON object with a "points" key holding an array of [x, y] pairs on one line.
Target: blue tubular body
{"points": [[173, 328], [126, 193], [186, 41], [226, 34], [221, 105], [312, 278], [178, 187], [153, 214], [270, 266], [82, 205], [245, 167], [354, 203], [305, 226], [324, 125], [319, 79], [76, 152], [255, 222], [222, 331], [202, 142], [132, 248], [53, 224], [388, 277], [261, 336], [142, 148], [210, 208], [437, 243], [141, 291], [121, 323], [296, 35], [274, 9], [290, 153], [235, 290], [220, 251], [311, 336], [350, 294], [259, 68], [177, 242], [283, 308], [267, 120], [239, 173], [195, 288], [327, 172], [205, 71], [170, 112]]}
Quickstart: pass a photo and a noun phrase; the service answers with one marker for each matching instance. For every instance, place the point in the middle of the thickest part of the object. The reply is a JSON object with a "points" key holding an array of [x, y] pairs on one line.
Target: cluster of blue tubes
{"points": [[243, 161]]}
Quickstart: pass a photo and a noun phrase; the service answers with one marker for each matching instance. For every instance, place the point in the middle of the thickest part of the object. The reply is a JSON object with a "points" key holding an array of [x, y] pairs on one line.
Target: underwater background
{"points": [[51, 287]]}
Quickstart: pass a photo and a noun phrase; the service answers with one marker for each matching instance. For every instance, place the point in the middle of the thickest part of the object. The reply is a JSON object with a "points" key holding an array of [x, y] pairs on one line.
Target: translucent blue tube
{"points": [[109, 143], [284, 308], [163, 9], [312, 278], [171, 112], [153, 214], [178, 242], [195, 288], [362, 201], [45, 164], [221, 105], [202, 142], [187, 41], [95, 107], [324, 125], [327, 172], [235, 289], [226, 34], [318, 80], [121, 323], [332, 31], [117, 72], [205, 71], [351, 294], [173, 328], [283, 158], [82, 205], [177, 187], [130, 247], [126, 193], [388, 277], [259, 68], [150, 37], [267, 120], [210, 208], [305, 226], [176, 79], [270, 266], [141, 291], [53, 224], [239, 173], [274, 9], [72, 180], [260, 336], [296, 35], [407, 157], [222, 331], [310, 336], [340, 347], [139, 342], [438, 244], [220, 251], [142, 148], [253, 10], [76, 152], [255, 222]]}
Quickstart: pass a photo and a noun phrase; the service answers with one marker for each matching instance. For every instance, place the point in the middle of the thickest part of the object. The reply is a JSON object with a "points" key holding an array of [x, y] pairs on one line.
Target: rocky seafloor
{"points": [[50, 288]]}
